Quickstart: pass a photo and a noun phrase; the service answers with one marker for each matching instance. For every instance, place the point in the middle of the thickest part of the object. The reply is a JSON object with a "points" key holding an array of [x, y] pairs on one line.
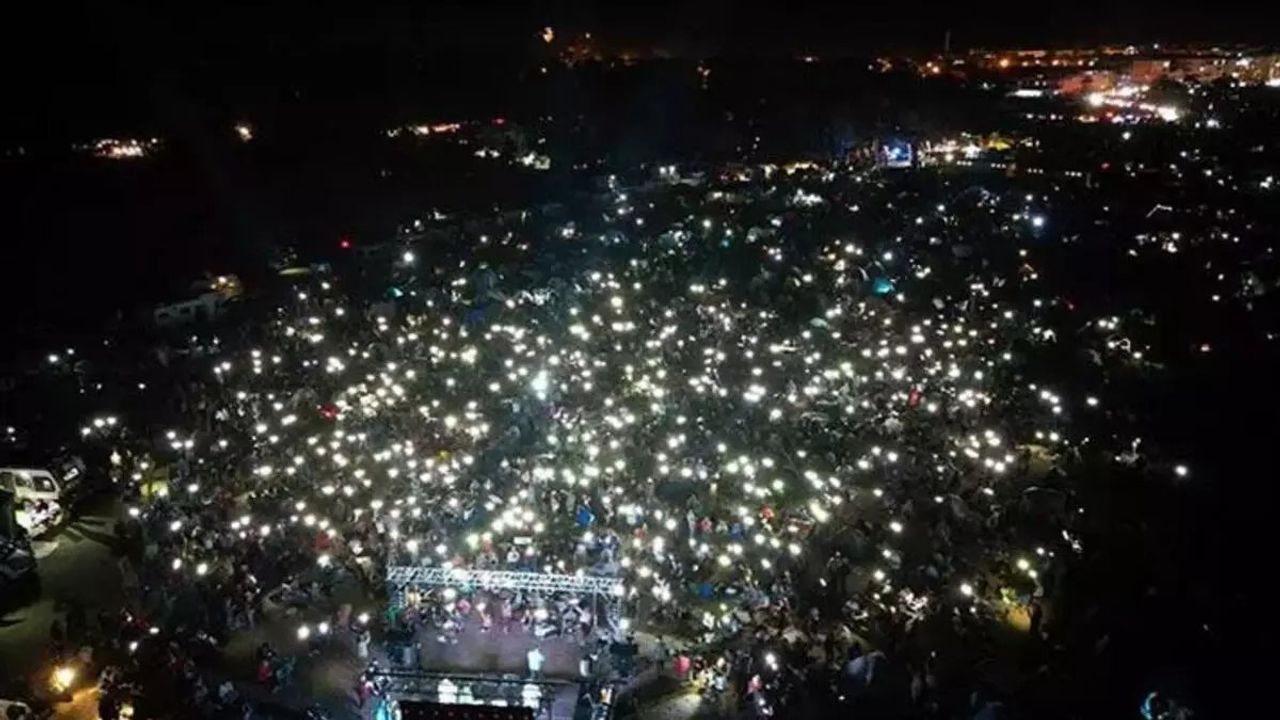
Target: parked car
{"points": [[35, 484], [17, 561], [18, 710], [17, 703], [41, 499]]}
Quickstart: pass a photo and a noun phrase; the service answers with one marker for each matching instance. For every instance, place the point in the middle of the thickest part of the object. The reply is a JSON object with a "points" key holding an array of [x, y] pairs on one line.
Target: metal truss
{"points": [[505, 690], [401, 576]]}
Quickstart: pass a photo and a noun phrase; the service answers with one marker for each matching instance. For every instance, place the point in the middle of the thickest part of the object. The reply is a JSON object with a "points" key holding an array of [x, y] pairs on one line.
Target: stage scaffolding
{"points": [[402, 577]]}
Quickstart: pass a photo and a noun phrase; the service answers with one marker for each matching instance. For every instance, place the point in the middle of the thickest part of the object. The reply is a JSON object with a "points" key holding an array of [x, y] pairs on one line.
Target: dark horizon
{"points": [[211, 32], [95, 65]]}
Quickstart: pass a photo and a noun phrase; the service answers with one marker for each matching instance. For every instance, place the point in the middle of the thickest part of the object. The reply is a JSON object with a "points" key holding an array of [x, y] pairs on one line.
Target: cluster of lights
{"points": [[555, 423], [124, 149]]}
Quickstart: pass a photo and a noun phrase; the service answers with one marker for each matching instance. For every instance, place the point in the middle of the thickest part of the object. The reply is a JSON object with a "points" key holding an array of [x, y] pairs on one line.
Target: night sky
{"points": [[64, 64], [58, 33]]}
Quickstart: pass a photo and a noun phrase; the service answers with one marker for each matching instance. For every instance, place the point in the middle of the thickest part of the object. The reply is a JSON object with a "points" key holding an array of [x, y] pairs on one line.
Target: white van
{"points": [[40, 499], [30, 483]]}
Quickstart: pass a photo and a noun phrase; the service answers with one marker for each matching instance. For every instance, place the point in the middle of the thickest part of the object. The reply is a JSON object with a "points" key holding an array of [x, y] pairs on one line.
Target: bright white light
{"points": [[540, 383]]}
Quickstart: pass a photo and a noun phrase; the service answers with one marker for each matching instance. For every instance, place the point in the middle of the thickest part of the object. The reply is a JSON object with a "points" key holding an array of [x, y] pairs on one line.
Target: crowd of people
{"points": [[815, 442]]}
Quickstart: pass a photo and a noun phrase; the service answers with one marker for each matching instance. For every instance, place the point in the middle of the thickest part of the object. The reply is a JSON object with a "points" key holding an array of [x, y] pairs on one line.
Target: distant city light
{"points": [[125, 149]]}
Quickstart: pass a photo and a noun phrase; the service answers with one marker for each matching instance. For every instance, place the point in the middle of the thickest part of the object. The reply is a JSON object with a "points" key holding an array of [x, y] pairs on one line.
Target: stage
{"points": [[547, 699], [496, 652], [471, 666]]}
